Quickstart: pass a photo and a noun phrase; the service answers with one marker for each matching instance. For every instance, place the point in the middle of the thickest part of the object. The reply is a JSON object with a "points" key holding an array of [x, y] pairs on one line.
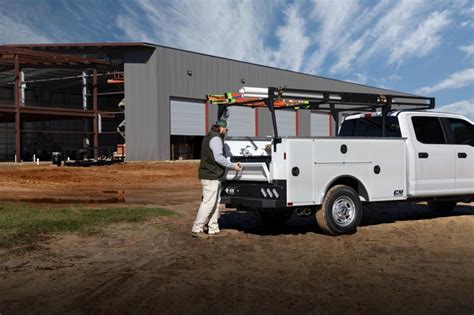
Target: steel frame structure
{"points": [[16, 59]]}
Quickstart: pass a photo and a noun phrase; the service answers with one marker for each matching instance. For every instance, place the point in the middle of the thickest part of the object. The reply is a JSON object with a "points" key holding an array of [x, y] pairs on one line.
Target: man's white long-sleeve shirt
{"points": [[217, 149]]}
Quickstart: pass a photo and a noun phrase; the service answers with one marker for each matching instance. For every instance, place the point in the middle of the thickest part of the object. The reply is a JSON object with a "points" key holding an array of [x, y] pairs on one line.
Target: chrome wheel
{"points": [[343, 211]]}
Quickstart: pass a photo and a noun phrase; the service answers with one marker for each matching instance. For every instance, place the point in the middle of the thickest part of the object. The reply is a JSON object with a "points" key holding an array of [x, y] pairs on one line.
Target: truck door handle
{"points": [[423, 155], [462, 155]]}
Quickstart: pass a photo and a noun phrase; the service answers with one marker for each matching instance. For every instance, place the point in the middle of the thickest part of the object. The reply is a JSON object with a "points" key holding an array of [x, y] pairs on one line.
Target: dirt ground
{"points": [[404, 258]]}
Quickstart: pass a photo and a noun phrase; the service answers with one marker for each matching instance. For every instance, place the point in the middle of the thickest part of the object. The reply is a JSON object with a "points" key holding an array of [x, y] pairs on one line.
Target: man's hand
{"points": [[237, 167]]}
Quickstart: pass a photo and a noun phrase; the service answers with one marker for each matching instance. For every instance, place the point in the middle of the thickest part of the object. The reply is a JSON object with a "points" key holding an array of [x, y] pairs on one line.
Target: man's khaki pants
{"points": [[208, 212]]}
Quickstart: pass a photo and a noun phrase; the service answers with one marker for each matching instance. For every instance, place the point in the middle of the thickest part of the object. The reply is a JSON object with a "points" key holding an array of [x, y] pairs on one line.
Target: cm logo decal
{"points": [[398, 192]]}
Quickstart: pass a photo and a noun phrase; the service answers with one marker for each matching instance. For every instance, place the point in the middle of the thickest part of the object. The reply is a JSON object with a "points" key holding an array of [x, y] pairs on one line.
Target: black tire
{"points": [[442, 206], [340, 212], [275, 217]]}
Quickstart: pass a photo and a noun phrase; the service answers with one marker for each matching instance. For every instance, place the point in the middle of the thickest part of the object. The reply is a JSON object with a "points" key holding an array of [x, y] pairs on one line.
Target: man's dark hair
{"points": [[215, 128]]}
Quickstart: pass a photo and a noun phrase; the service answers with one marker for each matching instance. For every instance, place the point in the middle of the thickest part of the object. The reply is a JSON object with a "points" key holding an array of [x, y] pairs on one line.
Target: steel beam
{"points": [[54, 113], [94, 108], [29, 56], [63, 112]]}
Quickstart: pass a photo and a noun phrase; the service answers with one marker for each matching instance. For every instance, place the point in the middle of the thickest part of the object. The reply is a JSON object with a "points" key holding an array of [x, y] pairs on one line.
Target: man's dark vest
{"points": [[208, 168]]}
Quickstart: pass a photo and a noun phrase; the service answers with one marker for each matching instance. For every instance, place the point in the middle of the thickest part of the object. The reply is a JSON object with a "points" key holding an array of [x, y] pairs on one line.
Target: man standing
{"points": [[211, 170]]}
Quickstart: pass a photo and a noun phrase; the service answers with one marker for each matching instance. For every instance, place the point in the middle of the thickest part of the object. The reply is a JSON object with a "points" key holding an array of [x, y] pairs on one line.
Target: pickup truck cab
{"points": [[421, 156], [439, 149]]}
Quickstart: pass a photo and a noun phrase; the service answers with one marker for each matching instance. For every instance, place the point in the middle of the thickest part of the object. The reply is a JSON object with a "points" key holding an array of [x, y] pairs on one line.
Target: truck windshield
{"points": [[370, 127]]}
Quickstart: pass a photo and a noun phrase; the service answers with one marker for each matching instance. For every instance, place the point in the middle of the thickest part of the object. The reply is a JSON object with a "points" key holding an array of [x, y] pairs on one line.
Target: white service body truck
{"points": [[424, 156]]}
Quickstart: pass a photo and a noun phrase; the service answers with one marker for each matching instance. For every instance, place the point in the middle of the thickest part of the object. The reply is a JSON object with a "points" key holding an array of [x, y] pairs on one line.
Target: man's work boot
{"points": [[219, 233], [201, 235]]}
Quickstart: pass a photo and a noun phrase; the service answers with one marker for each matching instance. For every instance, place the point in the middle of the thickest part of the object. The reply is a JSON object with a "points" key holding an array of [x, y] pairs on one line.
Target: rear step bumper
{"points": [[253, 194]]}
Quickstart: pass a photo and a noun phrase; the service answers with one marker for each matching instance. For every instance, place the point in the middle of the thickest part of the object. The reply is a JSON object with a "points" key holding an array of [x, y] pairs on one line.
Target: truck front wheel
{"points": [[341, 211]]}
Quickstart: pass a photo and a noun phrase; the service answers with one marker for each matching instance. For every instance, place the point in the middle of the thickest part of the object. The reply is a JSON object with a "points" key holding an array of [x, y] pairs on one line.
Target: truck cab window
{"points": [[428, 130], [370, 127], [463, 131]]}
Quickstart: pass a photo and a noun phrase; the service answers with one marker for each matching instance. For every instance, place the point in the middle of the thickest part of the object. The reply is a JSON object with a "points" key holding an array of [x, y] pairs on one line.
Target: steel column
{"points": [[84, 90], [84, 107], [94, 104], [17, 109], [85, 140]]}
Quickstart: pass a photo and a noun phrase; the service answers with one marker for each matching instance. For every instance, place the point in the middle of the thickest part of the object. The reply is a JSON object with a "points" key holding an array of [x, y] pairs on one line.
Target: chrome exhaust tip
{"points": [[299, 211], [306, 212], [303, 212]]}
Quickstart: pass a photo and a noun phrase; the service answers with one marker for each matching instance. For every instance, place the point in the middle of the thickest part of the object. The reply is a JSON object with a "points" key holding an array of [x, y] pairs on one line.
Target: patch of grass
{"points": [[25, 224]]}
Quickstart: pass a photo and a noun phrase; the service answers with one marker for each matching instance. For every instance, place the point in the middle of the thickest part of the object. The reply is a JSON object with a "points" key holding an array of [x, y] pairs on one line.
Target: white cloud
{"points": [[467, 49], [347, 45], [464, 107], [422, 41], [14, 32], [132, 30], [346, 58], [467, 24], [467, 12], [390, 28], [456, 80], [360, 78], [333, 19], [293, 42], [324, 35], [351, 35], [232, 29]]}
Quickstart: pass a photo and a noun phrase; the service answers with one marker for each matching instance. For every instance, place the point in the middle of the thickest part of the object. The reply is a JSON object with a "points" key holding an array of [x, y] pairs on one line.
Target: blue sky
{"points": [[417, 46]]}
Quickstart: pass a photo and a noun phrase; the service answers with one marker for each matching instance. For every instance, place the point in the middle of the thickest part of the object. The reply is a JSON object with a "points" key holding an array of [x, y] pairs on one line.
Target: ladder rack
{"points": [[332, 102]]}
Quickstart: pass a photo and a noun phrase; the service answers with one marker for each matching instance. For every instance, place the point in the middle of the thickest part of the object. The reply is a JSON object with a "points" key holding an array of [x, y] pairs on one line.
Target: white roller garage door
{"points": [[241, 121], [319, 125], [286, 123], [187, 118]]}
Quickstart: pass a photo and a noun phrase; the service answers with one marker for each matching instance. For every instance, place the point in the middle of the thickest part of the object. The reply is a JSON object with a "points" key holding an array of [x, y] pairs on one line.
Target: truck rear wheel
{"points": [[442, 206], [341, 211], [275, 217]]}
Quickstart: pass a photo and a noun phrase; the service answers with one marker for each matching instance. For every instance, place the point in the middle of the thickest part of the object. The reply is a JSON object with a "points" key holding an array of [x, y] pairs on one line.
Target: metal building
{"points": [[164, 91]]}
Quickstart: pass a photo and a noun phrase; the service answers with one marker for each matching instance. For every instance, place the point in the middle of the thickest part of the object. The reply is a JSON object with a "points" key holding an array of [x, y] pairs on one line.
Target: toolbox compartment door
{"points": [[300, 174]]}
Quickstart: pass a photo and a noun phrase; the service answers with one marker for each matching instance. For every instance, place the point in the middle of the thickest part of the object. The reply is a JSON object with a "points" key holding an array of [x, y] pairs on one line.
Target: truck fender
{"points": [[350, 181]]}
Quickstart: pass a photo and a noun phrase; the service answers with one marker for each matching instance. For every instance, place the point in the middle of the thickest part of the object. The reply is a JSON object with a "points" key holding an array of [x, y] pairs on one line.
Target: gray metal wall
{"points": [[141, 105], [152, 77]]}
